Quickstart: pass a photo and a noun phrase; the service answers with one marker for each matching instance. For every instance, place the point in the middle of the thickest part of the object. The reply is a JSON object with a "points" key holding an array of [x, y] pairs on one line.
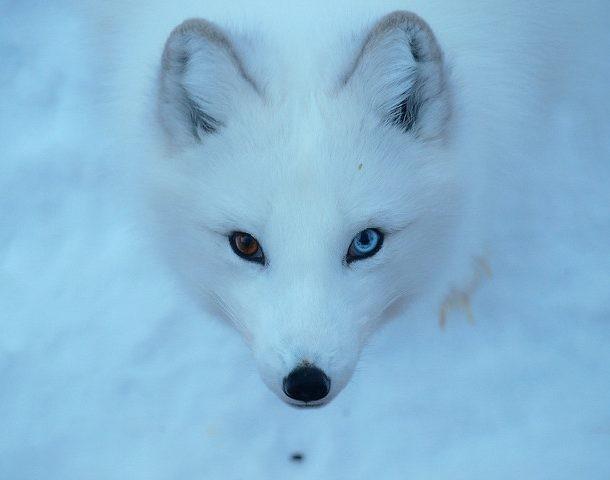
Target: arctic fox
{"points": [[304, 207], [315, 168]]}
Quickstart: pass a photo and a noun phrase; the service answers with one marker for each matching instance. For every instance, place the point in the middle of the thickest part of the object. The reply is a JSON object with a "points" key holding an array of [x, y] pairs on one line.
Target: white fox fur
{"points": [[298, 132]]}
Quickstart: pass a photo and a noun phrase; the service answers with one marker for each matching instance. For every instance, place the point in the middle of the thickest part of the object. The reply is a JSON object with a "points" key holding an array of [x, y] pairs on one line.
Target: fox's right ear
{"points": [[202, 79], [400, 72]]}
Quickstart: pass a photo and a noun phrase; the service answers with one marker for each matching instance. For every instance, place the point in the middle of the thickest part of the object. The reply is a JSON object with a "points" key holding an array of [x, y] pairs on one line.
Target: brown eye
{"points": [[246, 244], [247, 247]]}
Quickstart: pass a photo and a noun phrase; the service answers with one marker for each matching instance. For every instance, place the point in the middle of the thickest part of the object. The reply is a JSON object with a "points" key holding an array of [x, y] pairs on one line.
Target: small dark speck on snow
{"points": [[297, 457]]}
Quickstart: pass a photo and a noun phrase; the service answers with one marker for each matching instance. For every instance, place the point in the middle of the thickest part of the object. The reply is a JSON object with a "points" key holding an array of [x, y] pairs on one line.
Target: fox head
{"points": [[305, 211]]}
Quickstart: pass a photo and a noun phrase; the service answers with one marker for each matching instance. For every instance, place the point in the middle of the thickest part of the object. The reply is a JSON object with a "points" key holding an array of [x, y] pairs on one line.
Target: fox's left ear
{"points": [[400, 72], [203, 81]]}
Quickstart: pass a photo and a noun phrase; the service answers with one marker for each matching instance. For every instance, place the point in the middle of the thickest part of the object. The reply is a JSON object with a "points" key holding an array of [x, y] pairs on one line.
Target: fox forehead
{"points": [[308, 167], [309, 171]]}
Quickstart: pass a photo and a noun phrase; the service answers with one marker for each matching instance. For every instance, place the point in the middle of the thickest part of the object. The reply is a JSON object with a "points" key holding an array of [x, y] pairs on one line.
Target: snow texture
{"points": [[108, 370]]}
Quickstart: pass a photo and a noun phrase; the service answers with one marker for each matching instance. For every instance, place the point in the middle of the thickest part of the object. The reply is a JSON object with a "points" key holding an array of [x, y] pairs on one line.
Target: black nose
{"points": [[307, 384]]}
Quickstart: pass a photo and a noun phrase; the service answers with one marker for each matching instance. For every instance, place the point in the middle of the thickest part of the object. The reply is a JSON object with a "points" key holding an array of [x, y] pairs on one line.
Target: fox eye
{"points": [[366, 244], [247, 247]]}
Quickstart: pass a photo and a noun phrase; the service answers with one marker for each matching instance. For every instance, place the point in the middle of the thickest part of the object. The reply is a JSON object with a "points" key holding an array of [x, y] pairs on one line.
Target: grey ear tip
{"points": [[417, 26], [174, 50], [402, 18], [199, 26]]}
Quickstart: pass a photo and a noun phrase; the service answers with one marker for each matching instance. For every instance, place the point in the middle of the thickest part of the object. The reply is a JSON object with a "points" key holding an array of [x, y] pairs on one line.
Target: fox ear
{"points": [[400, 71], [202, 79]]}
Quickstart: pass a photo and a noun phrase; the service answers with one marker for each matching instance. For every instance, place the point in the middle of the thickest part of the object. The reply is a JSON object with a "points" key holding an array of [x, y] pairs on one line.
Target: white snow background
{"points": [[108, 371]]}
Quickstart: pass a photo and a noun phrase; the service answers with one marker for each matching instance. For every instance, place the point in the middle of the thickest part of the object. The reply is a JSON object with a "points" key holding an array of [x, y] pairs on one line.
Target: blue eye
{"points": [[366, 244]]}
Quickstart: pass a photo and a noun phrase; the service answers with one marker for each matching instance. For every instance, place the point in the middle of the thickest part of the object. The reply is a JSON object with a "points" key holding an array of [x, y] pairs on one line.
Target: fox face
{"points": [[306, 213]]}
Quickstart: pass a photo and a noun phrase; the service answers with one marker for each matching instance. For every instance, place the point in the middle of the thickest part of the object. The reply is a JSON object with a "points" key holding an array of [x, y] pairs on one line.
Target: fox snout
{"points": [[306, 384], [307, 375]]}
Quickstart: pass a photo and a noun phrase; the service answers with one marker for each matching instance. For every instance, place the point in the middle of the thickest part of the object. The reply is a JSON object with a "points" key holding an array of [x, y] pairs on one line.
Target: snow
{"points": [[108, 370]]}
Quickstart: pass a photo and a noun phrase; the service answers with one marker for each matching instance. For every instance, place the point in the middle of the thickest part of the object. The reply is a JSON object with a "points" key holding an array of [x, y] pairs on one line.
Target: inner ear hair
{"points": [[413, 84], [194, 106]]}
